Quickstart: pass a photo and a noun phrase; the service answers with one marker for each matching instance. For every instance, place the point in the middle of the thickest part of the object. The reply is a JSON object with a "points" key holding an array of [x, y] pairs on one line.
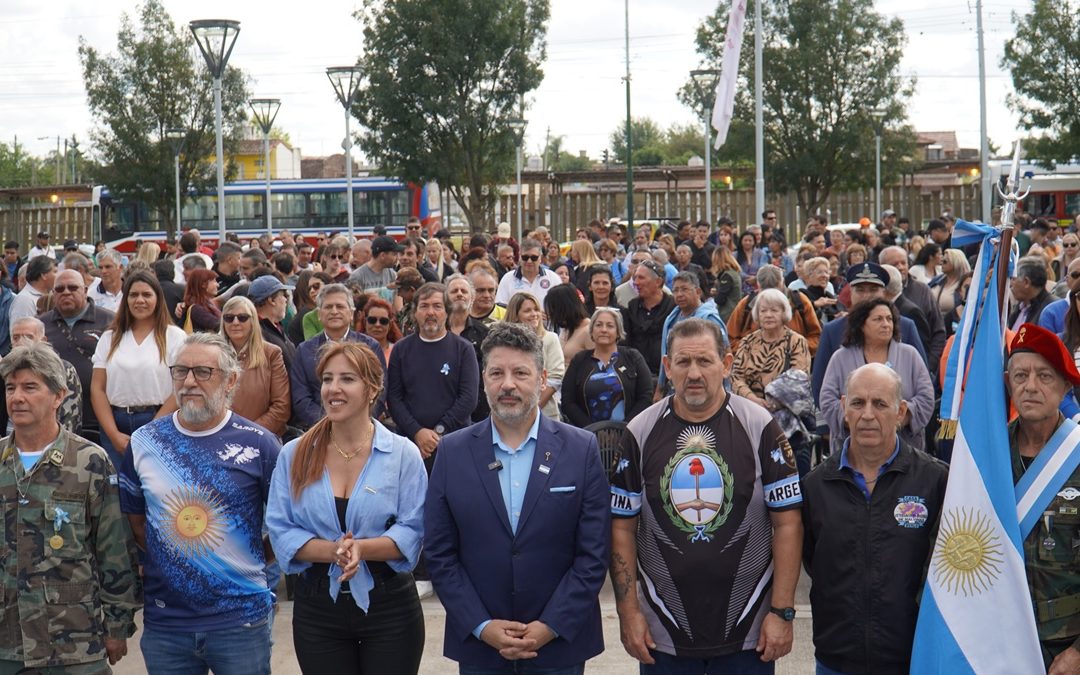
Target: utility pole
{"points": [[629, 128], [984, 142]]}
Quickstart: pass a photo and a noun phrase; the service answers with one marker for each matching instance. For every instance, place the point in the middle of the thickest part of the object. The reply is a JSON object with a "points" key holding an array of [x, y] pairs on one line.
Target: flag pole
{"points": [[1010, 196]]}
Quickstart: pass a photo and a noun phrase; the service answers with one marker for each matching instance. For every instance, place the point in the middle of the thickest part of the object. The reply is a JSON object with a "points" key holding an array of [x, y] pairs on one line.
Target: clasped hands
{"points": [[347, 556], [515, 640]]}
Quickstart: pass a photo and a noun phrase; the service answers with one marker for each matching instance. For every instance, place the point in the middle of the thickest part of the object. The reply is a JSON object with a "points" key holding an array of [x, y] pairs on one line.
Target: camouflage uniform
{"points": [[1052, 559], [63, 590], [69, 414]]}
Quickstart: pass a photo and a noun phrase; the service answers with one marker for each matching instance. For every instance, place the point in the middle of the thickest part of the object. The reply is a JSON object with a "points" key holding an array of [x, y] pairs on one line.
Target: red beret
{"points": [[1038, 340]]}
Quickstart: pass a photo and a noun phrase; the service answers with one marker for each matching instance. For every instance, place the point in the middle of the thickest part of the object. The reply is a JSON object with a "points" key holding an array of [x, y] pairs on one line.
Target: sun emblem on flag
{"points": [[697, 485], [968, 557], [194, 521]]}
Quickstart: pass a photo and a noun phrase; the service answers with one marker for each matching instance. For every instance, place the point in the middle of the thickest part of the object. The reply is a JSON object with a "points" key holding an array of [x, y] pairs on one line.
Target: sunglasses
{"points": [[336, 257], [1070, 245], [70, 288], [229, 318], [530, 258], [381, 320]]}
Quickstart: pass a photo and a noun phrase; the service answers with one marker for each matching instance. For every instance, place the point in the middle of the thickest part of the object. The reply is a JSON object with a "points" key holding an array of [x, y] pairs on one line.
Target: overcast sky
{"points": [[286, 52]]}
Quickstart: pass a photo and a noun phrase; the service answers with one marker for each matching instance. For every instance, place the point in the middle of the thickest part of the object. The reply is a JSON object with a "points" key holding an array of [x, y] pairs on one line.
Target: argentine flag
{"points": [[976, 614]]}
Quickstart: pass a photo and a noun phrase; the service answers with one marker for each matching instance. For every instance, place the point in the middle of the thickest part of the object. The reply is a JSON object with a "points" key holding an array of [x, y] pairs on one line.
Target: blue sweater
{"points": [[431, 383], [305, 385]]}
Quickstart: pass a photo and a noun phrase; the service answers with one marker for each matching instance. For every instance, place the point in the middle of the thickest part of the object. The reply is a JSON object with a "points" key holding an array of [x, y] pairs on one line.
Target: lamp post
{"points": [[346, 81], [265, 111], [879, 123], [705, 84], [176, 136], [216, 38], [517, 125]]}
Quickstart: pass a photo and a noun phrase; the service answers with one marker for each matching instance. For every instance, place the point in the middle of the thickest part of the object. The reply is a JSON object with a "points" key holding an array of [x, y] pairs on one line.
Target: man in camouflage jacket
{"points": [[68, 589]]}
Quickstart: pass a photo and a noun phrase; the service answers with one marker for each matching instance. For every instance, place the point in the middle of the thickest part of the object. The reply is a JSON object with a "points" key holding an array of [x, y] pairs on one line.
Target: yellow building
{"points": [[250, 156]]}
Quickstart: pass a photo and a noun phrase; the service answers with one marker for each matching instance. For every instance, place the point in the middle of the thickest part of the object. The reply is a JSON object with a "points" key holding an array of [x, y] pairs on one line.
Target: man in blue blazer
{"points": [[867, 281], [517, 526]]}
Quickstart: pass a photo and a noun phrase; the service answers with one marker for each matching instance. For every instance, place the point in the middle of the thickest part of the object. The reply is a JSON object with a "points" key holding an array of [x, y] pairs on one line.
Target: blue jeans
{"points": [[744, 663], [244, 650], [126, 423], [521, 668]]}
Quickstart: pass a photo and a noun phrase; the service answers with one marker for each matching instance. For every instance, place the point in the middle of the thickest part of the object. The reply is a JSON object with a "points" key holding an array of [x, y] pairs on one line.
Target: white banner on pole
{"points": [[729, 72]]}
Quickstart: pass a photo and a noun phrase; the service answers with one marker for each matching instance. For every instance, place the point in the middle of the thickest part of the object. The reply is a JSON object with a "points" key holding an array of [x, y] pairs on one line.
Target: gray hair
{"points": [[774, 297], [77, 262], [661, 256], [813, 263], [110, 254], [770, 276], [531, 244], [228, 362], [616, 316], [889, 250], [1030, 267], [455, 277], [689, 328], [40, 359], [39, 327], [193, 262], [503, 248], [331, 289], [514, 336], [895, 287], [882, 369], [681, 247]]}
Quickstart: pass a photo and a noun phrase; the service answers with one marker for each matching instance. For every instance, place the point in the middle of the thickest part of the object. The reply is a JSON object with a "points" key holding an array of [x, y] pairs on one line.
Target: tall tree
{"points": [[647, 134], [19, 169], [443, 78], [156, 81], [556, 158], [827, 64], [1044, 59]]}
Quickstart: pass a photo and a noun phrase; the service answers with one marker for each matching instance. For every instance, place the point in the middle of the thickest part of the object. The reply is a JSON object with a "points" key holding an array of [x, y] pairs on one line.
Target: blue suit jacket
{"points": [[832, 337], [305, 385], [551, 570]]}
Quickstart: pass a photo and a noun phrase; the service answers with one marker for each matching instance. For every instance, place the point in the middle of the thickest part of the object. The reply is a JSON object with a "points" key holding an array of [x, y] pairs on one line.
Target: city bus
{"points": [[1054, 193], [303, 206]]}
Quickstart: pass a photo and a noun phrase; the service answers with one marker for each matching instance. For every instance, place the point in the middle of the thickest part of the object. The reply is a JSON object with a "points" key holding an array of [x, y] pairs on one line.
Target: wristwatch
{"points": [[440, 429], [785, 613]]}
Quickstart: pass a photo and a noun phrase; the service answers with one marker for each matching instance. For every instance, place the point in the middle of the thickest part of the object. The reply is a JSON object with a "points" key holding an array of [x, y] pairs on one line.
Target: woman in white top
{"points": [[131, 384], [524, 308]]}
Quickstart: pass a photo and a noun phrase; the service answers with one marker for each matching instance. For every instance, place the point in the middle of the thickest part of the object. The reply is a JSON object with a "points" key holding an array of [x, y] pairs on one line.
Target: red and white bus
{"points": [[1054, 193]]}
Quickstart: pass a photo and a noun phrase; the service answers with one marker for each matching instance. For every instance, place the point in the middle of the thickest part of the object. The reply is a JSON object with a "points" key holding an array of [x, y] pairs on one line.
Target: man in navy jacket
{"points": [[517, 525]]}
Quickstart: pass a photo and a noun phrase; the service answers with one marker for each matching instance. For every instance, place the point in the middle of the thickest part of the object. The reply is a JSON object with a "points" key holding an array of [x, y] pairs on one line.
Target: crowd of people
{"points": [[379, 420]]}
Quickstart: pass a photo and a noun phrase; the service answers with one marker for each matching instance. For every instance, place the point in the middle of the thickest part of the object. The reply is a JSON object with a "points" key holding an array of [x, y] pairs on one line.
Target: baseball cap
{"points": [[263, 287], [71, 245], [504, 231], [385, 244]]}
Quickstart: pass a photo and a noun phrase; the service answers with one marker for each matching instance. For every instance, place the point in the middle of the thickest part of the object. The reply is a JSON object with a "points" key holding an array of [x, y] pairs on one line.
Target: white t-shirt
{"points": [[511, 283], [102, 298], [136, 375]]}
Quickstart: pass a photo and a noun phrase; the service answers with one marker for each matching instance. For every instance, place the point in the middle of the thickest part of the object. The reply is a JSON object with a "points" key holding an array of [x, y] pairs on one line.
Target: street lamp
{"points": [[176, 136], [517, 125], [346, 81], [216, 38], [878, 115], [265, 111], [705, 85]]}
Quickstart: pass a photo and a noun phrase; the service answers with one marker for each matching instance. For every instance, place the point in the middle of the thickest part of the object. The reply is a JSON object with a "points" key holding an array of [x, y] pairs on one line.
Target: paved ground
{"points": [[614, 660]]}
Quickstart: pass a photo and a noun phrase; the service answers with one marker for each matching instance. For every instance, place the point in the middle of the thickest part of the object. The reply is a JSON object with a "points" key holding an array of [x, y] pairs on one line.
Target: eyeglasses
{"points": [[530, 258], [70, 288], [1067, 245], [381, 320], [336, 257], [229, 318], [202, 373]]}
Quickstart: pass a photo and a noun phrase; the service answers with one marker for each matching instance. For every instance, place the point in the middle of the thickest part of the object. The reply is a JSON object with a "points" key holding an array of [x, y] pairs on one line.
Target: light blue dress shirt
{"points": [[513, 478], [391, 489]]}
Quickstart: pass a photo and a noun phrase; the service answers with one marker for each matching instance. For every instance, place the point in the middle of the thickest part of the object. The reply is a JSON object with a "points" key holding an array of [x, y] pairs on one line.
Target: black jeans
{"points": [[337, 637]]}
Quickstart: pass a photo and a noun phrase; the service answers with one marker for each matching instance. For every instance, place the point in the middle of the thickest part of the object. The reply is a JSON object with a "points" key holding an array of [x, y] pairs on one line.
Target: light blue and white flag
{"points": [[976, 614]]}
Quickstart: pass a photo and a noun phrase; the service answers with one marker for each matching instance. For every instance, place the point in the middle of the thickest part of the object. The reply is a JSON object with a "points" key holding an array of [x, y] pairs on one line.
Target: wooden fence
{"points": [[62, 222], [563, 212]]}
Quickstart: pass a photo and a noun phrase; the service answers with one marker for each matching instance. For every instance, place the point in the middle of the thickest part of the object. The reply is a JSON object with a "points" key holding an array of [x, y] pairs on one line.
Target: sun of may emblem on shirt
{"points": [[193, 521], [968, 557], [697, 485]]}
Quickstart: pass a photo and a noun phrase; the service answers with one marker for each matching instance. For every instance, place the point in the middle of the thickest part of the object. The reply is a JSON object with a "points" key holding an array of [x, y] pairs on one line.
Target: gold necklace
{"points": [[348, 457]]}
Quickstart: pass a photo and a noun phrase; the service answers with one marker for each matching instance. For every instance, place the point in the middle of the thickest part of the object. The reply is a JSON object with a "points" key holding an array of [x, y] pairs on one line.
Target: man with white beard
{"points": [[194, 487]]}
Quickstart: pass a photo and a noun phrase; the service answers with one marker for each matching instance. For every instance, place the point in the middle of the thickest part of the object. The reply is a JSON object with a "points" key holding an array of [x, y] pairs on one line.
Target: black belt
{"points": [[134, 409]]}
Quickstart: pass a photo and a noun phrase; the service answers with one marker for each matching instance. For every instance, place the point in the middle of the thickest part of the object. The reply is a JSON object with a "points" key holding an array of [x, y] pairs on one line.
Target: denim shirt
{"points": [[392, 486]]}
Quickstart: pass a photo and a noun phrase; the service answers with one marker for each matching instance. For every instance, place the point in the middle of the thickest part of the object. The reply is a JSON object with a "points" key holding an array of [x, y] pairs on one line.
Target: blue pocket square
{"points": [[567, 488]]}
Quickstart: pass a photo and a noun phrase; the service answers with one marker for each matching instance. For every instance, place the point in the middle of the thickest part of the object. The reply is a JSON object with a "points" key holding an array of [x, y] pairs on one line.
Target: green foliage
{"points": [[646, 133], [556, 158], [1044, 60], [157, 80], [827, 64], [443, 80], [19, 169]]}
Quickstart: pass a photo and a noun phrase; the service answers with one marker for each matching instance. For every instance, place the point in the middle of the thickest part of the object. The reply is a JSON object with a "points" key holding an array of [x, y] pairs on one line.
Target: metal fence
{"points": [[564, 212], [62, 222]]}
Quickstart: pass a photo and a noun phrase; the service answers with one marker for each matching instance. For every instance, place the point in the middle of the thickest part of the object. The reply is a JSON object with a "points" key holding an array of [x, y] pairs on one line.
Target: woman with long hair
{"points": [[928, 261], [131, 384], [601, 289], [567, 314], [727, 290], [608, 381], [585, 260], [308, 285], [381, 325], [345, 514], [263, 392], [552, 254], [433, 260], [199, 306], [873, 336], [1070, 251], [149, 252], [525, 309], [945, 285], [750, 259]]}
